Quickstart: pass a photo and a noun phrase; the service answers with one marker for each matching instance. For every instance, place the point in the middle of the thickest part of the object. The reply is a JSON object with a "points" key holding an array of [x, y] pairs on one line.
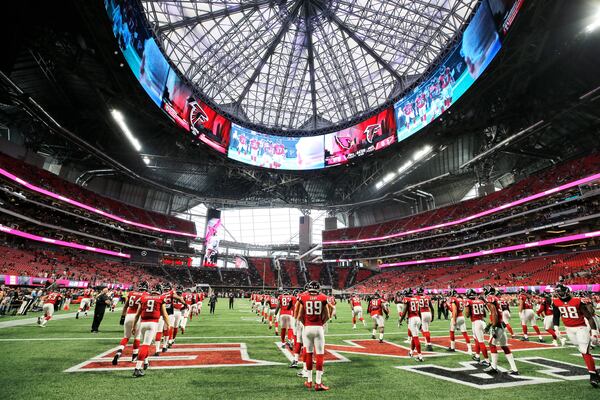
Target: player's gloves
{"points": [[493, 332], [487, 328], [122, 321]]}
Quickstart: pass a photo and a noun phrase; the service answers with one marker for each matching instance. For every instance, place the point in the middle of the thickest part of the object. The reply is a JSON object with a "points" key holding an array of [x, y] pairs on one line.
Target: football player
{"points": [[86, 302], [377, 307], [456, 304], [356, 307], [413, 311], [299, 349], [189, 298], [285, 311], [177, 317], [272, 303], [151, 309], [314, 311], [497, 333], [332, 303], [505, 307], [475, 309], [574, 314], [546, 310], [127, 318], [527, 315], [426, 307], [49, 303]]}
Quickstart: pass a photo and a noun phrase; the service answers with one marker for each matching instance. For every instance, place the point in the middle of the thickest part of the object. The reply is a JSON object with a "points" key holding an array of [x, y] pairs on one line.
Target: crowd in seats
{"points": [[53, 183], [291, 268], [536, 183], [342, 277], [569, 268]]}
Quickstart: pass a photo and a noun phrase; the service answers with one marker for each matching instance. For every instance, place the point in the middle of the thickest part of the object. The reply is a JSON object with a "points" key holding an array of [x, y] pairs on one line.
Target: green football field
{"points": [[34, 362]]}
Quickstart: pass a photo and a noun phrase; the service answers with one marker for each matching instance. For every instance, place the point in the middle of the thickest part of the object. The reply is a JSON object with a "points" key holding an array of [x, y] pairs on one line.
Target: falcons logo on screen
{"points": [[197, 115], [370, 132], [344, 142]]}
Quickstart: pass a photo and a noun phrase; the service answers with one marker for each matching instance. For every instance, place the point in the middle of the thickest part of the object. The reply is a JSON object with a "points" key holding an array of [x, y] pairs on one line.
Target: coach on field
{"points": [[102, 301]]}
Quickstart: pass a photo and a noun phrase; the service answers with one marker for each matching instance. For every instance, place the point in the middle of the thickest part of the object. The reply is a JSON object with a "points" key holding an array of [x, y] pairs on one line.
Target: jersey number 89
{"points": [[314, 308]]}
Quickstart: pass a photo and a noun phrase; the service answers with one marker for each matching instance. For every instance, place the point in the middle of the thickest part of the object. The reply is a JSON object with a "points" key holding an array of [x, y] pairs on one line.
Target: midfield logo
{"points": [[205, 355]]}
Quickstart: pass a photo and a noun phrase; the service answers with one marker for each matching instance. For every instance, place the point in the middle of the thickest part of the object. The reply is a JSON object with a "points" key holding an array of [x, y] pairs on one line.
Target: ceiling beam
{"points": [[311, 60]]}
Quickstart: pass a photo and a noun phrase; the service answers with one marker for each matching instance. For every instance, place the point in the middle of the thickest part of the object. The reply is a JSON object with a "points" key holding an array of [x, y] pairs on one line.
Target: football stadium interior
{"points": [[356, 198]]}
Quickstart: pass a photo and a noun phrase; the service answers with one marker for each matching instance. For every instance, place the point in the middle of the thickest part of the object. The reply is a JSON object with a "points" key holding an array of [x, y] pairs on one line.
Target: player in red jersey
{"points": [[475, 309], [497, 333], [189, 298], [456, 305], [545, 309], [426, 307], [357, 310], [377, 307], [314, 310], [49, 304], [527, 315], [332, 303], [200, 296], [150, 310], [127, 318], [165, 330], [299, 350], [574, 314], [272, 303], [505, 308], [86, 302], [412, 310], [179, 305], [285, 310]]}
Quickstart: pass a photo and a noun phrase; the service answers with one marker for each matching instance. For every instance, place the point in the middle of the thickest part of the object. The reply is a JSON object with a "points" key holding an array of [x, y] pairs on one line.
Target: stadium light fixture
{"points": [[420, 154], [146, 160], [405, 166], [120, 120], [594, 25]]}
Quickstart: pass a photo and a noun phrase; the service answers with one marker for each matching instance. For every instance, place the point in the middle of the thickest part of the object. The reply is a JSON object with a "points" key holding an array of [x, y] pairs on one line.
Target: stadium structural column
{"points": [[305, 233]]}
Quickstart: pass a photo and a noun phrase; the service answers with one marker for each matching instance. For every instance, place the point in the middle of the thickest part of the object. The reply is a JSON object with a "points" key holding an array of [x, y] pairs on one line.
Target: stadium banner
{"points": [[276, 152], [375, 133], [480, 43], [212, 238], [595, 288], [14, 280]]}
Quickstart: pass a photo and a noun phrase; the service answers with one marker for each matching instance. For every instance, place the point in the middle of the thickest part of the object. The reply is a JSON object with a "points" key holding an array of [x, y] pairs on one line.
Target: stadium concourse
{"points": [[305, 199]]}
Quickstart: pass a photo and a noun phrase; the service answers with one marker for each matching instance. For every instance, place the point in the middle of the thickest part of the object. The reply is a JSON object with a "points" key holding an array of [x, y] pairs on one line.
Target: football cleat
{"points": [[308, 385], [77, 316], [380, 340], [372, 336], [451, 350], [524, 339], [554, 343], [115, 359], [146, 364], [407, 340], [410, 353], [156, 354], [138, 373], [563, 341], [541, 340], [595, 380], [419, 358], [485, 363], [164, 349], [513, 373], [294, 364], [429, 347], [490, 370], [475, 357], [39, 320], [319, 387], [133, 357]]}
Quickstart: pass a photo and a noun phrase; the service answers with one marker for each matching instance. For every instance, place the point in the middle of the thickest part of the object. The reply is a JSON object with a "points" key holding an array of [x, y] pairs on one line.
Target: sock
{"points": [[452, 340], [139, 364], [494, 357], [409, 333], [309, 366], [589, 363], [374, 331], [524, 327], [157, 341], [510, 330], [552, 333], [417, 344], [537, 330], [477, 347], [320, 360], [136, 345], [427, 337], [175, 330], [466, 336], [290, 334], [143, 353], [511, 358], [380, 335], [557, 331], [282, 334], [484, 351]]}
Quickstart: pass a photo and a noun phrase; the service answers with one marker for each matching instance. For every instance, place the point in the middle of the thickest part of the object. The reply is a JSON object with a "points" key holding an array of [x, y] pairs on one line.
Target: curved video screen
{"points": [[466, 61]]}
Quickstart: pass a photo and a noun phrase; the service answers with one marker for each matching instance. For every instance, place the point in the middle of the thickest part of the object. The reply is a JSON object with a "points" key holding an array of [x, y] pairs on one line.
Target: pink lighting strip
{"points": [[494, 210], [57, 242], [522, 246], [89, 208]]}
